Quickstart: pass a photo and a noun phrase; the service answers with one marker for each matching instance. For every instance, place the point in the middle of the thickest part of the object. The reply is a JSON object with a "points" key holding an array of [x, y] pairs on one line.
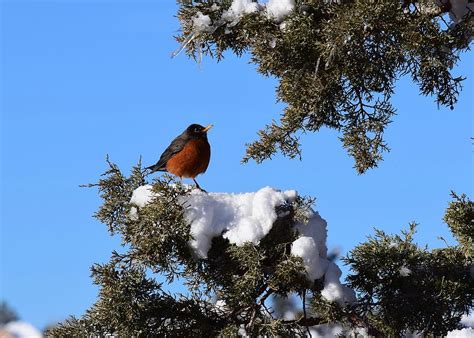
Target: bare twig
{"points": [[304, 312]]}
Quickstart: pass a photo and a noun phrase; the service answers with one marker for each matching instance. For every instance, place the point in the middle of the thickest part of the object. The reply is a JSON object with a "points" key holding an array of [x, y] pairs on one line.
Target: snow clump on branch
{"points": [[247, 218]]}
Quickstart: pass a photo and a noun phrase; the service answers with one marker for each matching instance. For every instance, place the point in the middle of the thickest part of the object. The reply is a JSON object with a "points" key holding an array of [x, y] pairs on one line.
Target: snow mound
{"points": [[241, 218], [21, 329], [306, 248], [202, 23], [239, 8], [279, 9], [333, 290], [468, 320], [142, 196], [463, 333], [247, 218]]}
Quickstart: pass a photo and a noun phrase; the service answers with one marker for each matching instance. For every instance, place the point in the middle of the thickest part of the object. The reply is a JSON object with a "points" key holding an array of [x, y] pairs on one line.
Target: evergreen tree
{"points": [[7, 314], [401, 287], [337, 62]]}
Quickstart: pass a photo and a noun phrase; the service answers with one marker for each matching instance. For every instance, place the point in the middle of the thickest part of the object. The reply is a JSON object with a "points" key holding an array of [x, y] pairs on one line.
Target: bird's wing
{"points": [[175, 147]]}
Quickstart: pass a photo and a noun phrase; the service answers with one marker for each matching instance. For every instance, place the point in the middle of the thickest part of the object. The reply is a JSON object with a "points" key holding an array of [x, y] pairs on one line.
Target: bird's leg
{"points": [[198, 186]]}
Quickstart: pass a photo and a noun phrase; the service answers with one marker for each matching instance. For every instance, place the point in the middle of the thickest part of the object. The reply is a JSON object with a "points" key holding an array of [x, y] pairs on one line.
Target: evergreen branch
{"points": [[365, 47]]}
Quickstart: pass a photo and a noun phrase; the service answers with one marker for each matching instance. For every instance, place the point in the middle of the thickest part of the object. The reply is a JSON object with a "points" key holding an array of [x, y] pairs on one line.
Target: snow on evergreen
{"points": [[241, 217], [274, 9], [202, 23], [238, 8], [306, 248], [404, 271], [463, 333], [247, 218], [141, 197], [333, 290], [468, 320], [327, 330], [279, 9], [20, 329]]}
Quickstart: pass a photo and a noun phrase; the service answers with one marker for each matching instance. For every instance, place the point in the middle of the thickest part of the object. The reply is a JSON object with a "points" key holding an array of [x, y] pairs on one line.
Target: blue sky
{"points": [[82, 79]]}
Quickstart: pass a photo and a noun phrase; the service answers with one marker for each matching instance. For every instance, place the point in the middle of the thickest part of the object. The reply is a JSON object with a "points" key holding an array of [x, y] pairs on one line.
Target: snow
{"points": [[279, 9], [202, 23], [238, 8], [311, 247], [463, 333], [289, 315], [404, 271], [247, 218], [21, 329], [275, 9], [142, 196], [327, 330], [241, 218], [332, 330], [468, 320], [316, 229], [306, 248], [221, 306], [333, 290], [242, 332]]}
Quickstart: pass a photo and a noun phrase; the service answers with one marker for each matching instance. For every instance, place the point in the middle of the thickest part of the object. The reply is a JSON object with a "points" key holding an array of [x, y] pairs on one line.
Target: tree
{"points": [[257, 264], [7, 315], [231, 281], [336, 61]]}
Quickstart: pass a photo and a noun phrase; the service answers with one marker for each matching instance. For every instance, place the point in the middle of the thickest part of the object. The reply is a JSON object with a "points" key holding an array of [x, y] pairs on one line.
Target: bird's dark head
{"points": [[196, 130]]}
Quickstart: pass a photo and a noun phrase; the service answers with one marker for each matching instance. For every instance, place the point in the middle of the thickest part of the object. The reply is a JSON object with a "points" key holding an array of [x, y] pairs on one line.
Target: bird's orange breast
{"points": [[192, 160]]}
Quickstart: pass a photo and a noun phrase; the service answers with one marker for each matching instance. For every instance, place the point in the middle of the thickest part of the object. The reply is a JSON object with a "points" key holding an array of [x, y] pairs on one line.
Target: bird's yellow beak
{"points": [[207, 128]]}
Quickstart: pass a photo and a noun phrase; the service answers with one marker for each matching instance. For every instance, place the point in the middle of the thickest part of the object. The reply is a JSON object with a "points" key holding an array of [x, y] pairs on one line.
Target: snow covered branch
{"points": [[328, 55], [238, 254]]}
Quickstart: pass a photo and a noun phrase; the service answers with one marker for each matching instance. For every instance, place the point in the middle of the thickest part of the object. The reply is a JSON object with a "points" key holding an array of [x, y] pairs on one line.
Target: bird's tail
{"points": [[151, 169]]}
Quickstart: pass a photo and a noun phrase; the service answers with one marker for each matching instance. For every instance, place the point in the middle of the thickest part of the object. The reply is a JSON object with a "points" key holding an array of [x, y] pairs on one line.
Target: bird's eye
{"points": [[197, 130]]}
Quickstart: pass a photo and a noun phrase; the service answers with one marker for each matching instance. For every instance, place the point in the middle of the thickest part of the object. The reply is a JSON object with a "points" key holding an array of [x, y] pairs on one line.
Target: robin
{"points": [[188, 155]]}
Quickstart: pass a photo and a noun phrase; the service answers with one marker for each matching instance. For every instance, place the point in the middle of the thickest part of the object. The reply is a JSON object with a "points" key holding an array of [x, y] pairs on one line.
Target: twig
{"points": [[304, 312], [311, 321], [252, 319], [268, 311], [265, 296]]}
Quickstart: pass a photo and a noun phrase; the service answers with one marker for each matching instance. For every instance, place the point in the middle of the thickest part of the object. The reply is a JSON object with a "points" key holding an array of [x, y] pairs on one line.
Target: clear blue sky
{"points": [[82, 79]]}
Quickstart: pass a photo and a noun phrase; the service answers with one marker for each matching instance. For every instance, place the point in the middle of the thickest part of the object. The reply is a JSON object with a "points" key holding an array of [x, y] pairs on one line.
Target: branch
{"points": [[266, 295], [311, 321], [355, 320], [304, 311]]}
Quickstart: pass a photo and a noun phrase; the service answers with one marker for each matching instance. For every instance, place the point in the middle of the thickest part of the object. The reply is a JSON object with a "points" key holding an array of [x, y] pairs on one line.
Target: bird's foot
{"points": [[199, 187]]}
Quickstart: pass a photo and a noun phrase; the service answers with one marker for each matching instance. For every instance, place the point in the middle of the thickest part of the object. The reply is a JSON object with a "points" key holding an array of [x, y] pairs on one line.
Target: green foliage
{"points": [[401, 286], [460, 219], [132, 303], [407, 288], [337, 64]]}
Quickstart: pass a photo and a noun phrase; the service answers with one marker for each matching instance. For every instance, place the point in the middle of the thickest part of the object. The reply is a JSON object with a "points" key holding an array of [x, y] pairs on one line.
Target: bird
{"points": [[187, 156]]}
